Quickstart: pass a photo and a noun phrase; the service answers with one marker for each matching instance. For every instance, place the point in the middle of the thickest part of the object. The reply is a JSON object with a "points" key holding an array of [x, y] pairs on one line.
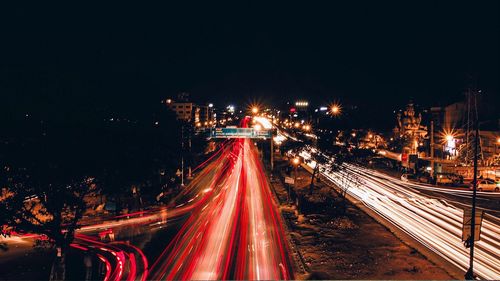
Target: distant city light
{"points": [[210, 105], [323, 108], [301, 103]]}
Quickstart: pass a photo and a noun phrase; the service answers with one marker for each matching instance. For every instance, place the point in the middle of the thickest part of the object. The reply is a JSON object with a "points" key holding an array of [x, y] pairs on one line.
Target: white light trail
{"points": [[434, 223]]}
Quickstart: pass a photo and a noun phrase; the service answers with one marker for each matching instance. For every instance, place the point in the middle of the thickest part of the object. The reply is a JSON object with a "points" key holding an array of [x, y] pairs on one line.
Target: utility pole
{"points": [[182, 171], [311, 185], [470, 273], [182, 155], [432, 148], [272, 143], [295, 176]]}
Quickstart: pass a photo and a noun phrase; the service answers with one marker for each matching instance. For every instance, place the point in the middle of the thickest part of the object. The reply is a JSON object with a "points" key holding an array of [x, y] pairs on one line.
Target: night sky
{"points": [[121, 58]]}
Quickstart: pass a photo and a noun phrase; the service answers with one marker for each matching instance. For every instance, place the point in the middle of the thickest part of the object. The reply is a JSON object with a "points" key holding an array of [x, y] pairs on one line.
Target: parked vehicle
{"points": [[407, 177], [486, 185], [425, 178], [449, 178]]}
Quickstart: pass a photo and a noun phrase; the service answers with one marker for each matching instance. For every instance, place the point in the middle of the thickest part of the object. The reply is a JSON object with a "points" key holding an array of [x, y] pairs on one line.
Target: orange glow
{"points": [[448, 135], [336, 109]]}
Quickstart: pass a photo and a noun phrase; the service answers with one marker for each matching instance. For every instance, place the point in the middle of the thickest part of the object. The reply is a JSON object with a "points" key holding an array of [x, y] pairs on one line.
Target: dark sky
{"points": [[123, 57]]}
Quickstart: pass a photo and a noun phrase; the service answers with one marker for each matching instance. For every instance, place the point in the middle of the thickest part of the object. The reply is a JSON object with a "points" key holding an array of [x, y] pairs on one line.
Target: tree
{"points": [[53, 210], [320, 161], [338, 165]]}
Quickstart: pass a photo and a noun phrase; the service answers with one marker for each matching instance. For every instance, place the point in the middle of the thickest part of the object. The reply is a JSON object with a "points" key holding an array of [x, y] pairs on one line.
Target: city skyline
{"points": [[250, 141]]}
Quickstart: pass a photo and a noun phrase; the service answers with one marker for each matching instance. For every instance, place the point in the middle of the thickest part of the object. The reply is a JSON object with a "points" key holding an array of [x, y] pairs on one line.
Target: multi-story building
{"points": [[449, 130], [204, 115], [187, 111], [183, 110]]}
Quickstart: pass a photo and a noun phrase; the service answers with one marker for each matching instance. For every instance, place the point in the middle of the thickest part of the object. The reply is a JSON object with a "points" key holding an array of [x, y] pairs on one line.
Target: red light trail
{"points": [[234, 229]]}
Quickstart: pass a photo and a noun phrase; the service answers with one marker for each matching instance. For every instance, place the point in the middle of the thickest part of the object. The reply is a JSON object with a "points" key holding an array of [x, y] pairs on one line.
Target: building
{"points": [[187, 111], [183, 110], [410, 131], [449, 131], [204, 116]]}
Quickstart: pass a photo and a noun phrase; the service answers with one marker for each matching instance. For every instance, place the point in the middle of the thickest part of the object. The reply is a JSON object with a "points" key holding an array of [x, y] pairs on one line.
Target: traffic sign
{"points": [[240, 133], [466, 228]]}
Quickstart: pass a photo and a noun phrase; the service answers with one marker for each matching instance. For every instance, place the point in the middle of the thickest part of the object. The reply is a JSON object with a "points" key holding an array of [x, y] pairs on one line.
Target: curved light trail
{"points": [[234, 229]]}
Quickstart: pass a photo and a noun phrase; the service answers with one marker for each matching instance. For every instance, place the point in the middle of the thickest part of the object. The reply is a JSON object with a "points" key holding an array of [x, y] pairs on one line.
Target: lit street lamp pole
{"points": [[470, 273], [296, 162], [272, 144]]}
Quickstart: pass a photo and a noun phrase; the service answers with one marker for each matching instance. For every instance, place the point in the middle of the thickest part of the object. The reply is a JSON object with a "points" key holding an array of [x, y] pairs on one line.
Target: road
{"points": [[434, 223], [234, 229]]}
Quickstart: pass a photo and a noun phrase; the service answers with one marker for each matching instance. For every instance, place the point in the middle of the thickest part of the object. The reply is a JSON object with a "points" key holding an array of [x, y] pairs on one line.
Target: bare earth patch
{"points": [[351, 245]]}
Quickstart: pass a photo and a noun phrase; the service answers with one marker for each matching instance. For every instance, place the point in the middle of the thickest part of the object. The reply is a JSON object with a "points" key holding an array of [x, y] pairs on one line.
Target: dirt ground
{"points": [[348, 244]]}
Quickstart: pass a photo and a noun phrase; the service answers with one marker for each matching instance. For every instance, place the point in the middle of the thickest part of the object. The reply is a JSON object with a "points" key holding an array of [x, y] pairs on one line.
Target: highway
{"points": [[233, 230], [435, 223]]}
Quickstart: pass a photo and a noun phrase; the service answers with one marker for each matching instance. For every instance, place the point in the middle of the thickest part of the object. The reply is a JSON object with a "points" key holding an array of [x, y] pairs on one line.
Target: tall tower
{"points": [[466, 150]]}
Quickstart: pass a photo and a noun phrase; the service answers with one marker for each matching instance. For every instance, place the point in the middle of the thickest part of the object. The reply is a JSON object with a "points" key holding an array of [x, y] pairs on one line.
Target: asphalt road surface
{"points": [[234, 229], [434, 220]]}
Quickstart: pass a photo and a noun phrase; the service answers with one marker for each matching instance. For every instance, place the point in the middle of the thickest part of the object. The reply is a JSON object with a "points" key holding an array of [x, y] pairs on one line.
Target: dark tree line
{"points": [[50, 167]]}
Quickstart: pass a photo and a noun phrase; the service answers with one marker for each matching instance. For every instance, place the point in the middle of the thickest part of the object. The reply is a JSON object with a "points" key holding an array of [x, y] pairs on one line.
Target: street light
{"points": [[295, 162], [255, 110], [336, 109]]}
